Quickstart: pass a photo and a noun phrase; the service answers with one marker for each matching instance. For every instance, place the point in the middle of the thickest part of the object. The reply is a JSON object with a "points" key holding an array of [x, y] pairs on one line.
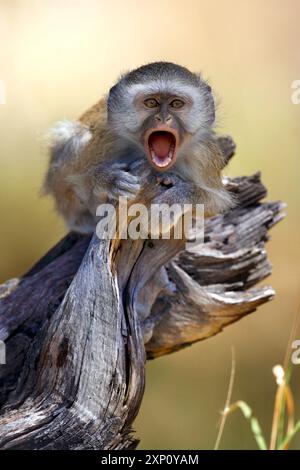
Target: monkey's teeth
{"points": [[159, 162]]}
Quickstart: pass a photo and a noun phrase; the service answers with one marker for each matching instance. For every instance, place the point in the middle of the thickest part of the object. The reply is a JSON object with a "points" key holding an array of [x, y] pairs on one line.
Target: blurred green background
{"points": [[59, 57]]}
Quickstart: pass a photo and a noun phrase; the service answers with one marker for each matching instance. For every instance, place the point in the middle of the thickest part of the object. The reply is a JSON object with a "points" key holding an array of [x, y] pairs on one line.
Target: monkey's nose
{"points": [[165, 119]]}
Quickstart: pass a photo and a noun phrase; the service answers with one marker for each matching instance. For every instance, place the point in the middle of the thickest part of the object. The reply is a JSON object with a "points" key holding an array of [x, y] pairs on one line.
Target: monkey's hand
{"points": [[174, 190], [172, 202], [178, 191], [115, 180]]}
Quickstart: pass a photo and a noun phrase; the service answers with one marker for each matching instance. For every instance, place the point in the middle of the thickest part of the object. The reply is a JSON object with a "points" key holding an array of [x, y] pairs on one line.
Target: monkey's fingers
{"points": [[136, 163], [125, 177], [139, 164], [119, 166], [125, 184], [130, 187]]}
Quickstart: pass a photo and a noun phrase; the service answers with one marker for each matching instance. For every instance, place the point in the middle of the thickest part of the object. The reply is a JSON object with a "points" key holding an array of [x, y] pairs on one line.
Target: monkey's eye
{"points": [[151, 103], [177, 104]]}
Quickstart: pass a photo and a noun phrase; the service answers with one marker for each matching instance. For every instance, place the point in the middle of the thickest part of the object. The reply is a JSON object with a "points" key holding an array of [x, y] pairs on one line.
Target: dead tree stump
{"points": [[80, 324]]}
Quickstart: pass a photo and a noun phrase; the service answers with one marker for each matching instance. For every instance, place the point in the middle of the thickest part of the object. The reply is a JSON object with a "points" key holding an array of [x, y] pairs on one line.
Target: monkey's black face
{"points": [[163, 130], [160, 109]]}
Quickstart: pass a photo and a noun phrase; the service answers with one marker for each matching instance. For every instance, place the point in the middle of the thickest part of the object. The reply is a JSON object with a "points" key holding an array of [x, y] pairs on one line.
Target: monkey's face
{"points": [[161, 116], [163, 130]]}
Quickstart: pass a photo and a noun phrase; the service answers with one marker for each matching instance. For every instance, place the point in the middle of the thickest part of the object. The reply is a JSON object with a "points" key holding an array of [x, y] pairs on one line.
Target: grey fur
{"points": [[119, 105], [163, 70], [195, 175]]}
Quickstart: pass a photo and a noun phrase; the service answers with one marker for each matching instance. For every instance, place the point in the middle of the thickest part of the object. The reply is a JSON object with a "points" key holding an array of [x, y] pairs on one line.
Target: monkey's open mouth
{"points": [[161, 146]]}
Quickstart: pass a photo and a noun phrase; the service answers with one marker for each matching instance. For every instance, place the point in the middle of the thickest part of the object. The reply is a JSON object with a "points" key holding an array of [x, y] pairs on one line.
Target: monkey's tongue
{"points": [[161, 144], [161, 147]]}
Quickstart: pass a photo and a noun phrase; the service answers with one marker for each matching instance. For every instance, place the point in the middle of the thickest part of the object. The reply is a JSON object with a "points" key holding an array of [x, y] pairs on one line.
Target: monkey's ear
{"points": [[115, 88], [209, 100], [112, 98], [209, 103]]}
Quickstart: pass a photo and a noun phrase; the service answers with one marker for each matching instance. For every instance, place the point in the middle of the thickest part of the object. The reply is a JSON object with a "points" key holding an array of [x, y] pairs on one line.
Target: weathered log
{"points": [[79, 325]]}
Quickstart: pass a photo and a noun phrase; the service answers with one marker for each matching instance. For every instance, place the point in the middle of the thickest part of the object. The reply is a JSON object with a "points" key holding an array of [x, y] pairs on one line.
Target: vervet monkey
{"points": [[161, 115]]}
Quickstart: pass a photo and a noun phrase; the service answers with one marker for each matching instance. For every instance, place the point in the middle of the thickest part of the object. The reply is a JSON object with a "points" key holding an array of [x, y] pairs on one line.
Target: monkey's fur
{"points": [[91, 159]]}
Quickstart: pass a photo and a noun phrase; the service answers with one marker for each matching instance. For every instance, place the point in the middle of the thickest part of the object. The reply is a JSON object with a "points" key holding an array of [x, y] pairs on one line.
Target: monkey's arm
{"points": [[81, 174], [199, 180], [178, 191]]}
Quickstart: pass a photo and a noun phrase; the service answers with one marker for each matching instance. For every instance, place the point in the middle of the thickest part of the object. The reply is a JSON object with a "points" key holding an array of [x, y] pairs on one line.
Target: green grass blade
{"points": [[253, 421], [290, 436]]}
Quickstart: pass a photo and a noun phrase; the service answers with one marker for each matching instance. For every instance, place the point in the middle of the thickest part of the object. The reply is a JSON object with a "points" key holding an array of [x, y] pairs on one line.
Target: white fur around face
{"points": [[196, 116], [163, 86]]}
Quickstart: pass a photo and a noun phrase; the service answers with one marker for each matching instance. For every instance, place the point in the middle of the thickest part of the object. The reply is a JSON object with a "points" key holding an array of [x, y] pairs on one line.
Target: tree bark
{"points": [[80, 324]]}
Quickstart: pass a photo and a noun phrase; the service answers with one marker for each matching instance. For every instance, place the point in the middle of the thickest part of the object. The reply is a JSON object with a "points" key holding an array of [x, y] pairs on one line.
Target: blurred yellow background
{"points": [[56, 59]]}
